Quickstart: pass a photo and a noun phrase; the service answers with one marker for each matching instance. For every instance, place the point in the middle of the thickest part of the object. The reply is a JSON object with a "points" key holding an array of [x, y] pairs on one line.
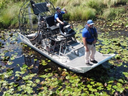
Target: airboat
{"points": [[39, 31]]}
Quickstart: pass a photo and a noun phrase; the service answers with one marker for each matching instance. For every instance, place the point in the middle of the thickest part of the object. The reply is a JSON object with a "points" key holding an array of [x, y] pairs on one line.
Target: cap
{"points": [[57, 8], [90, 22]]}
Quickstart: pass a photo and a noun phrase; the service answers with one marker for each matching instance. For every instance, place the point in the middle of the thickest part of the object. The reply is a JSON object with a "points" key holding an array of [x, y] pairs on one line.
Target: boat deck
{"points": [[79, 62], [74, 59]]}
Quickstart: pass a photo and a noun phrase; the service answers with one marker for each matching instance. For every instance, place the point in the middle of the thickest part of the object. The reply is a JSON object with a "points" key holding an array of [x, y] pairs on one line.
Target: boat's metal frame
{"points": [[49, 40]]}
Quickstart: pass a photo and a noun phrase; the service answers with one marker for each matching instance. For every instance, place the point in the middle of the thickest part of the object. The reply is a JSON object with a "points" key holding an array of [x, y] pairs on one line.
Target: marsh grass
{"points": [[3, 3], [109, 3], [62, 2], [77, 14], [111, 13], [97, 5], [83, 10], [9, 15], [77, 9]]}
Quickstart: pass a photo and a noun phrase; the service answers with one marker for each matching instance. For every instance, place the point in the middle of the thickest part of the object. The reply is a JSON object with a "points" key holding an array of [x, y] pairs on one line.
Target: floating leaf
{"points": [[35, 59], [37, 81]]}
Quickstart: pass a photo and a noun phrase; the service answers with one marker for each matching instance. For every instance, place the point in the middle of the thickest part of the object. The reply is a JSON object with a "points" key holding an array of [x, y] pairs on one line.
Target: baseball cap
{"points": [[90, 22], [57, 8]]}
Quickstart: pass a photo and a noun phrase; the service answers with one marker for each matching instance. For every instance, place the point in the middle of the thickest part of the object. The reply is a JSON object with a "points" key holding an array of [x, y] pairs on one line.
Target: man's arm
{"points": [[65, 11], [59, 21], [85, 44]]}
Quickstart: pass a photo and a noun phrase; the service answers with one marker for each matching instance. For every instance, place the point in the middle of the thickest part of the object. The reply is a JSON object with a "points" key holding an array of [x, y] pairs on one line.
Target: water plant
{"points": [[56, 81], [25, 72]]}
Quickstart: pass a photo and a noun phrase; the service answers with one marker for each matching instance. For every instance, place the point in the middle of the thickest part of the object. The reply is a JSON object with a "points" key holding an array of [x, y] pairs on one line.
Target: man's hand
{"points": [[64, 10], [62, 23], [94, 42], [85, 44], [86, 49]]}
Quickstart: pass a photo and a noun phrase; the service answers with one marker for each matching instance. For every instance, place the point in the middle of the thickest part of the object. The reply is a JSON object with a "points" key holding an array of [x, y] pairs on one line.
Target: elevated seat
{"points": [[66, 31], [50, 23]]}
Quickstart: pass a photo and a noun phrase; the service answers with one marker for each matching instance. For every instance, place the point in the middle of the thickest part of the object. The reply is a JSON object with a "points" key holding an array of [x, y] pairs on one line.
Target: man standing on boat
{"points": [[89, 35], [59, 16]]}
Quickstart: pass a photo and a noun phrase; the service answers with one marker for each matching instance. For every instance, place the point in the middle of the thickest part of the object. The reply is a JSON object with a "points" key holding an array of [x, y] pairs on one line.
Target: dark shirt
{"points": [[87, 35], [59, 15]]}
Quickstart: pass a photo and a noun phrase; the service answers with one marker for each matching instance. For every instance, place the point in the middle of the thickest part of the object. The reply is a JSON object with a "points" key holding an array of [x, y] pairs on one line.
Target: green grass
{"points": [[9, 15], [77, 14], [97, 5], [83, 10], [111, 13], [77, 10]]}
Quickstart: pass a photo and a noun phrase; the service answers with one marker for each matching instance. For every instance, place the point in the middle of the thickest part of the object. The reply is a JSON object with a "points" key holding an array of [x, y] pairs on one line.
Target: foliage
{"points": [[3, 3], [111, 13], [97, 5], [35, 75], [100, 7], [9, 15], [77, 9], [77, 14]]}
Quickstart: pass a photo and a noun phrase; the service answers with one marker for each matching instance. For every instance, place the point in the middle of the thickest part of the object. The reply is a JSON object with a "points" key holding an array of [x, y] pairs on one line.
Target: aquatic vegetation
{"points": [[25, 72]]}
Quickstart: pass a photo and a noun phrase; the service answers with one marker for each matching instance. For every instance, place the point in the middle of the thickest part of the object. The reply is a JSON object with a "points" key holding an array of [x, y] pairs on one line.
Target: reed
{"points": [[3, 3], [97, 5], [69, 3], [111, 13], [62, 2], [110, 3], [76, 13], [77, 9], [9, 15]]}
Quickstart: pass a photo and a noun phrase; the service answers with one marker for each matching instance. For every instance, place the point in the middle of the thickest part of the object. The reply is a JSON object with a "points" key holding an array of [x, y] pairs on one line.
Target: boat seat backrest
{"points": [[39, 7], [50, 21]]}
